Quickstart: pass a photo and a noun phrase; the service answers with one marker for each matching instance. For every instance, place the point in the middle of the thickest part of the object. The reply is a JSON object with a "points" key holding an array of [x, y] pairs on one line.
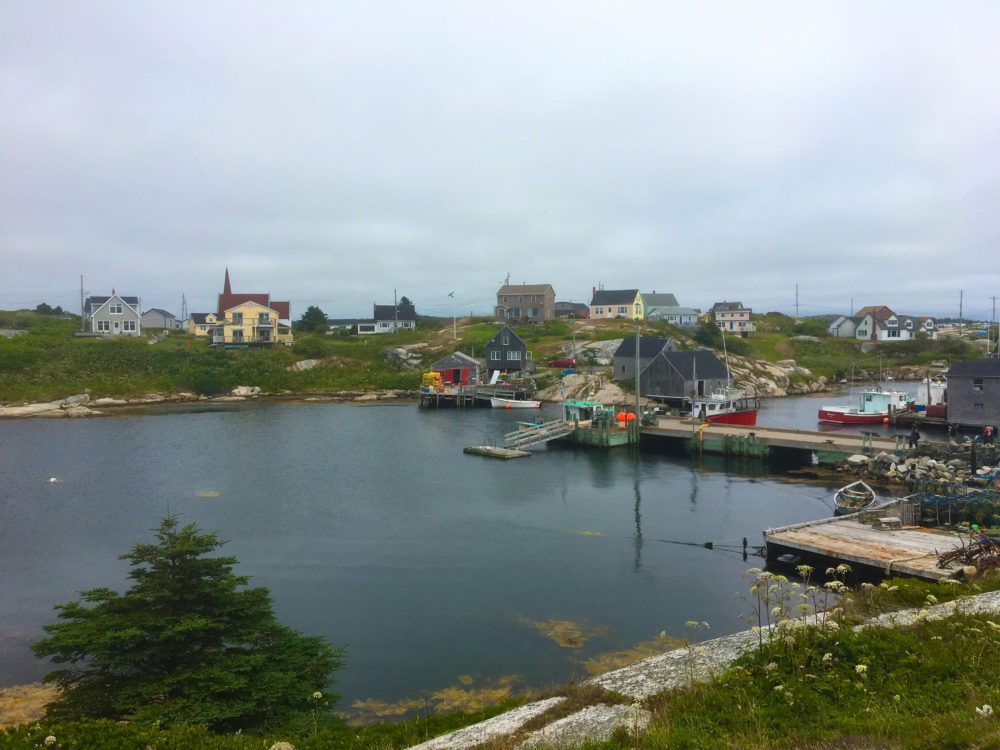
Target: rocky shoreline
{"points": [[81, 405], [932, 466]]}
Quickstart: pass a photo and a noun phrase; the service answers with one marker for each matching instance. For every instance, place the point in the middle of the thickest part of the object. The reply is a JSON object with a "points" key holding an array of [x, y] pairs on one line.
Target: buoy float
{"points": [[885, 420], [506, 406], [53, 480]]}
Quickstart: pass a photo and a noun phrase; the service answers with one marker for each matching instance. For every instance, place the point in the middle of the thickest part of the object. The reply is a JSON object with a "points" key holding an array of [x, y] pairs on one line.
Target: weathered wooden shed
{"points": [[673, 377], [649, 348], [457, 368], [974, 392]]}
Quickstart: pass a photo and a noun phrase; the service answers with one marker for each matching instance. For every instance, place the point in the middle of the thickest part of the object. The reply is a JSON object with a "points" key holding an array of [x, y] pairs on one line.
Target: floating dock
{"points": [[761, 442], [880, 541], [491, 451]]}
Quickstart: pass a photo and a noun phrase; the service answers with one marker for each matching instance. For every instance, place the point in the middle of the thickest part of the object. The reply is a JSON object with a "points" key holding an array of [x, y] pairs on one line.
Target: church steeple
{"points": [[226, 289]]}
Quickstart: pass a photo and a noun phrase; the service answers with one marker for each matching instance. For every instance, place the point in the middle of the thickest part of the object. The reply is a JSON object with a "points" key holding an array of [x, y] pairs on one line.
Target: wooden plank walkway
{"points": [[854, 539]]}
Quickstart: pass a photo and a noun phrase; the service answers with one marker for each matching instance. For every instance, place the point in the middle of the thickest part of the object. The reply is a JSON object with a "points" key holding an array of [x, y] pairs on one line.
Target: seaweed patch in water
{"points": [[464, 696], [617, 659], [566, 633]]}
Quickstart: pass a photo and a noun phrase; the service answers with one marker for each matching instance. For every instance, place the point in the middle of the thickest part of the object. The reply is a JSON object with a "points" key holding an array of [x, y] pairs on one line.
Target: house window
{"points": [[638, 309], [527, 355], [533, 312], [238, 336], [513, 356], [977, 385], [505, 299], [238, 319], [128, 325], [202, 328], [599, 310], [115, 308], [622, 310], [495, 356], [505, 340], [103, 326], [515, 312], [263, 318]]}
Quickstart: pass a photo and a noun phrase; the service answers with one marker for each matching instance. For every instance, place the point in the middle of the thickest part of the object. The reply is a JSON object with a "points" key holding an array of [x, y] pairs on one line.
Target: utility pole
{"points": [[993, 322], [83, 318], [850, 313], [395, 307], [184, 307], [961, 322], [454, 325]]}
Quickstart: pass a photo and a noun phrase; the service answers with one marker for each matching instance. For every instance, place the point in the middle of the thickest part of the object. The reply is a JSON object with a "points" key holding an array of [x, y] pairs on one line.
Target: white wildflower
{"points": [[860, 668], [986, 710], [776, 612], [770, 667], [931, 599], [317, 695], [282, 746], [993, 625], [51, 739], [827, 657], [897, 697], [843, 568], [778, 688]]}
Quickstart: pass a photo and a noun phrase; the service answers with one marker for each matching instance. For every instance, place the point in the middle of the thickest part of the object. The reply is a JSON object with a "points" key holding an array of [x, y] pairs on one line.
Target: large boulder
{"points": [[246, 391]]}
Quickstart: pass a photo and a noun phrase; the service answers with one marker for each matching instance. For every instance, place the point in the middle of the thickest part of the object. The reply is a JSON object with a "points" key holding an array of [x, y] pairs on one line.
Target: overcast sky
{"points": [[332, 152]]}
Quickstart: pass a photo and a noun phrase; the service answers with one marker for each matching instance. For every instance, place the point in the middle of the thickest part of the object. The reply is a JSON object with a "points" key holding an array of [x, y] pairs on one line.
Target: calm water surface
{"points": [[372, 528]]}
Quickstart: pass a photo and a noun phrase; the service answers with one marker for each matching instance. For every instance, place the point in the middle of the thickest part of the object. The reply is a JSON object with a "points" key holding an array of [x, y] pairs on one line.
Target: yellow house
{"points": [[201, 324], [251, 323], [617, 303]]}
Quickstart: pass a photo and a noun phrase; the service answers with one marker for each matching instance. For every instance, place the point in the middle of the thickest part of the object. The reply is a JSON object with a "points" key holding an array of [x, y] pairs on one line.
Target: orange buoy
{"points": [[506, 406], [885, 420]]}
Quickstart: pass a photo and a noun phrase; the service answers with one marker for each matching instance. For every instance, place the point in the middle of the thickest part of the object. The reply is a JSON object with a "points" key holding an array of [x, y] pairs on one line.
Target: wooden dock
{"points": [[879, 541], [470, 396], [760, 442]]}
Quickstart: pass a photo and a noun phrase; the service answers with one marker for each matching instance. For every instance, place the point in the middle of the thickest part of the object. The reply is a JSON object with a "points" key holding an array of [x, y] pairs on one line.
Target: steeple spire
{"points": [[226, 289]]}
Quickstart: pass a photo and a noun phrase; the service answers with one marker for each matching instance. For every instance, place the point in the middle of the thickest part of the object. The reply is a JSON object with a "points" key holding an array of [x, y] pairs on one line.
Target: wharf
{"points": [[470, 396], [762, 442], [881, 540]]}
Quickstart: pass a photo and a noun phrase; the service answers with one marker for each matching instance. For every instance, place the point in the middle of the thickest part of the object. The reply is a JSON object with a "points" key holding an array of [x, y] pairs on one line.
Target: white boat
{"points": [[726, 406], [874, 406], [854, 497], [514, 403]]}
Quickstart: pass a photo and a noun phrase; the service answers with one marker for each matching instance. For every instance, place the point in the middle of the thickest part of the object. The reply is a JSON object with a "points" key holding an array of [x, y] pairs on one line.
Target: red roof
{"points": [[229, 300]]}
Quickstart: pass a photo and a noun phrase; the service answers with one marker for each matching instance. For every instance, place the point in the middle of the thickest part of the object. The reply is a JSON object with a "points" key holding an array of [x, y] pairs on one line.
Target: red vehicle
{"points": [[564, 362]]}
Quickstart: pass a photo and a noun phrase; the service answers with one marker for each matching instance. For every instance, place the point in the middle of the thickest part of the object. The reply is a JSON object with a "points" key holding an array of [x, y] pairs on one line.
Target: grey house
{"points": [[974, 392], [525, 303], [676, 377], [113, 316], [649, 348], [158, 318], [506, 351]]}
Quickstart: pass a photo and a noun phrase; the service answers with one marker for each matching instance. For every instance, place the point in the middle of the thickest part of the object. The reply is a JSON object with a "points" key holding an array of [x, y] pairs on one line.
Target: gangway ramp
{"points": [[540, 433]]}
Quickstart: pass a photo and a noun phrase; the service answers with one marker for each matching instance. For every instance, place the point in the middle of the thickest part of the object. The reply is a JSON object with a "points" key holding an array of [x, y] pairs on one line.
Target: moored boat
{"points": [[854, 497], [514, 403], [728, 406], [874, 406]]}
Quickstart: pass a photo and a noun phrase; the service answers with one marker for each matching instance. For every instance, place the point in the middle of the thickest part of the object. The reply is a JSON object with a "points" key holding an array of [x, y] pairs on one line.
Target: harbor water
{"points": [[372, 528]]}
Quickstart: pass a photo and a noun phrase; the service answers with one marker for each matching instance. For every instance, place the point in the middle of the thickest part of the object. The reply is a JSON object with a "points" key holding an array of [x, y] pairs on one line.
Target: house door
{"points": [[701, 387], [117, 327]]}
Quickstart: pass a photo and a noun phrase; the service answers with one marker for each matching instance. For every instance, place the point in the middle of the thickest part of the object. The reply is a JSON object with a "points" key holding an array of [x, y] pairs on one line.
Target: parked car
{"points": [[564, 362]]}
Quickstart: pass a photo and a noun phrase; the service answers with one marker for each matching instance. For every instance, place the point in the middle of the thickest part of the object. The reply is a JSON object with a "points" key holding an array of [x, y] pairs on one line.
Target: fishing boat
{"points": [[932, 398], [726, 406], [514, 403], [874, 407], [854, 497]]}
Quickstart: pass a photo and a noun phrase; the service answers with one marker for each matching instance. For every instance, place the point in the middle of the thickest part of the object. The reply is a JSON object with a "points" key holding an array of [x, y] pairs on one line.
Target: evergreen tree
{"points": [[187, 643], [313, 320]]}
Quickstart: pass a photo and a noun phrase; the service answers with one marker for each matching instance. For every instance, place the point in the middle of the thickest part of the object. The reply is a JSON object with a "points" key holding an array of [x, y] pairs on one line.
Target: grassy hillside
{"points": [[48, 362]]}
